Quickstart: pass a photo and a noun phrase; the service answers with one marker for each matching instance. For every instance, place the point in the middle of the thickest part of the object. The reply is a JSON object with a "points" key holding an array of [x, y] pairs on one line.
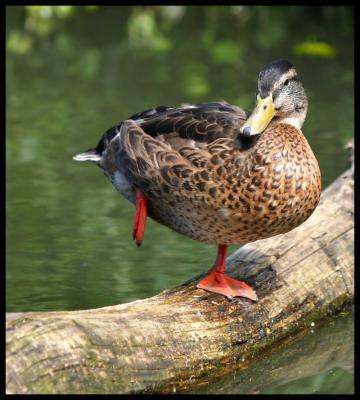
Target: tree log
{"points": [[176, 340]]}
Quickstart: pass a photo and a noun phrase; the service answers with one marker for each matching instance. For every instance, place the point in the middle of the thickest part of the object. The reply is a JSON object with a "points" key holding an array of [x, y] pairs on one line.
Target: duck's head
{"points": [[280, 97]]}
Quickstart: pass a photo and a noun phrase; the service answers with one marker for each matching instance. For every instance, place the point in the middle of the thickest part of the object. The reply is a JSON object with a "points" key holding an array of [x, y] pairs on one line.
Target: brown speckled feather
{"points": [[206, 181]]}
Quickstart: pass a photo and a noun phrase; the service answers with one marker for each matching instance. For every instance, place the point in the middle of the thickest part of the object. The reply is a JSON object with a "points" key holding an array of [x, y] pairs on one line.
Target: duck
{"points": [[217, 173]]}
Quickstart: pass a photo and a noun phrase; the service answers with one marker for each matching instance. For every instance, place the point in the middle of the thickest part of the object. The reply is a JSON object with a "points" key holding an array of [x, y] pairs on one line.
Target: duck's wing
{"points": [[166, 148], [199, 123]]}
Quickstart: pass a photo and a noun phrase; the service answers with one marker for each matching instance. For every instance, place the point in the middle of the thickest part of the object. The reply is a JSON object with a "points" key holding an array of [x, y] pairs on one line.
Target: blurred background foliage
{"points": [[157, 30], [74, 71]]}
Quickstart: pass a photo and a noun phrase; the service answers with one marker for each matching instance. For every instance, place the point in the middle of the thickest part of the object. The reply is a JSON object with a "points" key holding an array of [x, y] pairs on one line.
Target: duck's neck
{"points": [[296, 122], [295, 119]]}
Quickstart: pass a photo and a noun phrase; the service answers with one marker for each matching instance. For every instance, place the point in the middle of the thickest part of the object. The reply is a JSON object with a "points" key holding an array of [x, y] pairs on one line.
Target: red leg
{"points": [[140, 216], [216, 281]]}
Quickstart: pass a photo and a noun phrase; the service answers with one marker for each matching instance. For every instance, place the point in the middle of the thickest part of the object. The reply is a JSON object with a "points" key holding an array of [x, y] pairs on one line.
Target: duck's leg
{"points": [[140, 216], [216, 281]]}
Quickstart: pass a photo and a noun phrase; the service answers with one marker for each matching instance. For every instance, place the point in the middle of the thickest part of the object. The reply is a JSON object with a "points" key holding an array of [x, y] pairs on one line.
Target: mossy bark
{"points": [[177, 339]]}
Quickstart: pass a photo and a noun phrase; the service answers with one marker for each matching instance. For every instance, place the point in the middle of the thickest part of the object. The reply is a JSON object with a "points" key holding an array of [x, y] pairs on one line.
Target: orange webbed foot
{"points": [[217, 282]]}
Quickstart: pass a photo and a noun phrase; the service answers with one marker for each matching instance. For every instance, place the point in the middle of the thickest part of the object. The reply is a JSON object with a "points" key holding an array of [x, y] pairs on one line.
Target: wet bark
{"points": [[176, 340]]}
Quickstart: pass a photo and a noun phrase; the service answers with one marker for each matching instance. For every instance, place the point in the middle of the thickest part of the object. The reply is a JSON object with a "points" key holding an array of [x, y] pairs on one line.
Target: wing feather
{"points": [[180, 149]]}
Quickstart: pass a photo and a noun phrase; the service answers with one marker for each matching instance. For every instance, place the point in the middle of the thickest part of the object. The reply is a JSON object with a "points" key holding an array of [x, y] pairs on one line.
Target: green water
{"points": [[71, 73]]}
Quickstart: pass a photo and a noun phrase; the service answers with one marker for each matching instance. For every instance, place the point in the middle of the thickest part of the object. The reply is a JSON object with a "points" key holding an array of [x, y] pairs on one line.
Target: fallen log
{"points": [[176, 340]]}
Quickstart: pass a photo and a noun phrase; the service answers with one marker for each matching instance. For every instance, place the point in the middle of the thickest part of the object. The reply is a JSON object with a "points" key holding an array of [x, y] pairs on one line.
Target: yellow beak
{"points": [[260, 117]]}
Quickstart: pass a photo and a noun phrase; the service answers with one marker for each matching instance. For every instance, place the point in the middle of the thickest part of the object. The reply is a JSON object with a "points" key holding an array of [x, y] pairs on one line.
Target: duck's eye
{"points": [[286, 82]]}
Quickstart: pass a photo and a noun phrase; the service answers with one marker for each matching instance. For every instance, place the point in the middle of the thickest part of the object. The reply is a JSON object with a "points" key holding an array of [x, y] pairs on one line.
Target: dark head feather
{"points": [[270, 74]]}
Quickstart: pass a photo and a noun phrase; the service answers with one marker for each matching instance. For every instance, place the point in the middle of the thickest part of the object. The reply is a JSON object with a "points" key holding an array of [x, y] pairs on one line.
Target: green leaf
{"points": [[315, 49]]}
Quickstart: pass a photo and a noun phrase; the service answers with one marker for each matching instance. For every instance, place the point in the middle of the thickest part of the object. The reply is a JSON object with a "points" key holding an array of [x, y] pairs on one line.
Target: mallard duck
{"points": [[217, 173]]}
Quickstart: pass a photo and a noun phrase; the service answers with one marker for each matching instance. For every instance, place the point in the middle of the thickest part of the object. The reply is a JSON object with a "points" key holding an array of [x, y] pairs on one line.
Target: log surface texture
{"points": [[176, 340]]}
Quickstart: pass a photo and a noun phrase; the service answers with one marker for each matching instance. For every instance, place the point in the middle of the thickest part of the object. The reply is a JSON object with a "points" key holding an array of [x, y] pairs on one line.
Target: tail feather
{"points": [[90, 155]]}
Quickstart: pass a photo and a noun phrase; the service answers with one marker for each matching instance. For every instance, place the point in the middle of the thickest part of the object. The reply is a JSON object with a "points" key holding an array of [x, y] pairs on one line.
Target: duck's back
{"points": [[166, 141], [194, 124]]}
